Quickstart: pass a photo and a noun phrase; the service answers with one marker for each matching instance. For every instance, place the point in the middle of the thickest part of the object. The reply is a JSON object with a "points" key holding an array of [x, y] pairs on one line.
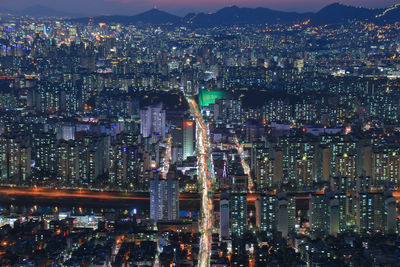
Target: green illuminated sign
{"points": [[208, 97]]}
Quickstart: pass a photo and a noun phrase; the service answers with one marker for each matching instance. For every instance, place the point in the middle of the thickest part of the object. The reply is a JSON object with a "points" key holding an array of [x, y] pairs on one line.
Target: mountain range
{"points": [[332, 14]]}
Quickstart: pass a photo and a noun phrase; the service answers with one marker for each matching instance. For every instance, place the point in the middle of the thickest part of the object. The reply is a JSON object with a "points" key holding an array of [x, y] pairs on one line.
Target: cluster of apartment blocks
{"points": [[327, 213], [315, 185], [305, 161]]}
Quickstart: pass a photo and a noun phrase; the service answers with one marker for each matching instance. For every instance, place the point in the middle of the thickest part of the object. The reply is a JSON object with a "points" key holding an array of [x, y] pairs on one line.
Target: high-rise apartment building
{"points": [[224, 216], [319, 214], [152, 121], [266, 213], [164, 198], [238, 208]]}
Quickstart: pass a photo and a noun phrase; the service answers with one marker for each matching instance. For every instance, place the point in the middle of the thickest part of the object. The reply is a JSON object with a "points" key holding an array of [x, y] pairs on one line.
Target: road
{"points": [[39, 192], [245, 165], [206, 178]]}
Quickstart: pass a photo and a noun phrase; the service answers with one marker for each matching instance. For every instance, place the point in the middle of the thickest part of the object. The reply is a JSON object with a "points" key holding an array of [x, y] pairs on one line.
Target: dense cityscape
{"points": [[188, 144]]}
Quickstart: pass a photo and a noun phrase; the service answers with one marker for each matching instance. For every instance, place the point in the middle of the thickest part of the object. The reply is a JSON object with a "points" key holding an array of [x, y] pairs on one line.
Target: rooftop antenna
{"points": [[154, 4]]}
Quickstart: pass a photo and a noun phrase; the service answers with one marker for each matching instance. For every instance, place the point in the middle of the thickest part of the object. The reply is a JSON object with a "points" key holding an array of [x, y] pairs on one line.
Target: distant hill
{"points": [[157, 17], [331, 14], [153, 16], [235, 15], [389, 15], [338, 13]]}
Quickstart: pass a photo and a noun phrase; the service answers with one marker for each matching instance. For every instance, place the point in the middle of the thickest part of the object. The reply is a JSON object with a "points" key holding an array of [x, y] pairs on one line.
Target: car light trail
{"points": [[206, 178], [245, 166]]}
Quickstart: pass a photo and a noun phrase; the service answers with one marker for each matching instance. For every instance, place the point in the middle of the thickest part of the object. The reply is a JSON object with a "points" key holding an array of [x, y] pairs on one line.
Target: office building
{"points": [[188, 138]]}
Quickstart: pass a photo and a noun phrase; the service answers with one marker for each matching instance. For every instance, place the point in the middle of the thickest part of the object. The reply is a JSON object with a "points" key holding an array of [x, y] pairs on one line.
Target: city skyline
{"points": [[245, 137]]}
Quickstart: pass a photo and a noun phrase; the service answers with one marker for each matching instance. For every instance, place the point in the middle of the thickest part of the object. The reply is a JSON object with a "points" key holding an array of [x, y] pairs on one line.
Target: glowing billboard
{"points": [[207, 97]]}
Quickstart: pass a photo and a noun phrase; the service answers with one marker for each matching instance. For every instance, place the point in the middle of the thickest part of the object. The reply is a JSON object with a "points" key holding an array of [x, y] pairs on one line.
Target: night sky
{"points": [[180, 7]]}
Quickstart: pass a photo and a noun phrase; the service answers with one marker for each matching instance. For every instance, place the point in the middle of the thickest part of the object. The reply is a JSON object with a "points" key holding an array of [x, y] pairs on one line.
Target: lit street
{"points": [[206, 177]]}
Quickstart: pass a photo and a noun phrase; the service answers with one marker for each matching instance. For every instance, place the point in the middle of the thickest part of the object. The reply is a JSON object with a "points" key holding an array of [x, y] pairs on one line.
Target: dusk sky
{"points": [[180, 7]]}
